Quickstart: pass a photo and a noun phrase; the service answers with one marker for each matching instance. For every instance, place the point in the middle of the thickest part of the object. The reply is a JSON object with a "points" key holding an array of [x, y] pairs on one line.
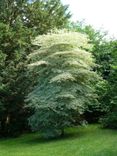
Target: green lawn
{"points": [[84, 141]]}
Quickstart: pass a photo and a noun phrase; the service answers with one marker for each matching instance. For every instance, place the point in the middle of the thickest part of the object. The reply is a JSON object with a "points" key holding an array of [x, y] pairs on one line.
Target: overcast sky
{"points": [[99, 13]]}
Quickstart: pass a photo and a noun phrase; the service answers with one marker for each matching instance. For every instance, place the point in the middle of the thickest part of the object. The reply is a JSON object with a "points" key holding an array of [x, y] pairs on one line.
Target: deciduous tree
{"points": [[65, 81]]}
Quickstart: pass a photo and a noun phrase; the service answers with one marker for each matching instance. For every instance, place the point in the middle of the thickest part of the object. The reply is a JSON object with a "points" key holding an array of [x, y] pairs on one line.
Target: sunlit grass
{"points": [[83, 141]]}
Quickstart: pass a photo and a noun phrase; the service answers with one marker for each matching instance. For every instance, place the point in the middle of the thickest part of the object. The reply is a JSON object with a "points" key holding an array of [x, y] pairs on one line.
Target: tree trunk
{"points": [[62, 132]]}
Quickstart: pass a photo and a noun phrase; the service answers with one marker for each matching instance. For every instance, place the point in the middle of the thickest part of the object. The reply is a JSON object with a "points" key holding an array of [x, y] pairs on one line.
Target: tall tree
{"points": [[40, 15], [102, 52], [20, 20], [110, 119], [14, 47], [65, 81]]}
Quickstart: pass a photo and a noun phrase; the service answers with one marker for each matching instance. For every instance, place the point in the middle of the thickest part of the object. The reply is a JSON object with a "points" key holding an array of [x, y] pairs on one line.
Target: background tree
{"points": [[39, 15], [18, 25], [14, 44], [65, 81], [102, 52], [101, 46], [110, 119], [44, 15]]}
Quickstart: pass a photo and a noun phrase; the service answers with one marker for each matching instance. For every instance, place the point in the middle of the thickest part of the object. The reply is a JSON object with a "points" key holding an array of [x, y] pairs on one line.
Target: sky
{"points": [[98, 13]]}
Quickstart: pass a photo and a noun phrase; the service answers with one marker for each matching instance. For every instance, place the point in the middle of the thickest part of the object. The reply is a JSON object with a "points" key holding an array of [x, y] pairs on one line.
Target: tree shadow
{"points": [[67, 136]]}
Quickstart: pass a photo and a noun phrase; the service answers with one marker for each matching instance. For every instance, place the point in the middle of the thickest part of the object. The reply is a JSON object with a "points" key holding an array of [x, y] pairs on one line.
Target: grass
{"points": [[83, 141]]}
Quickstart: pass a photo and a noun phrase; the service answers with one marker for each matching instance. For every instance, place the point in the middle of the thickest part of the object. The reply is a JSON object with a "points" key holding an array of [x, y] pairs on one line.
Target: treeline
{"points": [[56, 80]]}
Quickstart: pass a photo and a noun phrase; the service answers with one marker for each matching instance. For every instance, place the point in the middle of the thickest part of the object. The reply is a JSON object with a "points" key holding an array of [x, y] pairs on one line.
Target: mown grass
{"points": [[83, 141]]}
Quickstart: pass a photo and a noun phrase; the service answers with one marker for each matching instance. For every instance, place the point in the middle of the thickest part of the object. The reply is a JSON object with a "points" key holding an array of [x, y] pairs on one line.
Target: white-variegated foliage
{"points": [[65, 78]]}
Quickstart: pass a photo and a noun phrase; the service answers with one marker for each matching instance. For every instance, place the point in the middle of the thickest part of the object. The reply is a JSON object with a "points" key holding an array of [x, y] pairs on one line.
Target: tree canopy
{"points": [[65, 81], [20, 21], [38, 15]]}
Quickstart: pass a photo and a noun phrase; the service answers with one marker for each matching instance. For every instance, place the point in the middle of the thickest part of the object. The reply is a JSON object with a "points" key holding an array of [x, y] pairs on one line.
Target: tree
{"points": [[14, 45], [39, 15], [102, 52], [65, 81], [20, 21], [101, 46], [110, 118], [44, 15]]}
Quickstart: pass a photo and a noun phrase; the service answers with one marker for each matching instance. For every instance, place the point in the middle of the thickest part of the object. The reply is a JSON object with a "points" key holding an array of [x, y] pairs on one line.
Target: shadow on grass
{"points": [[107, 152], [35, 138], [41, 140]]}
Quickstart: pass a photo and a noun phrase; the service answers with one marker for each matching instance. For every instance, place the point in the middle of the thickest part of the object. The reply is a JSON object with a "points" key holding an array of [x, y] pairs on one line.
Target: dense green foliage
{"points": [[102, 51], [19, 22], [105, 53], [14, 45], [65, 82], [38, 15], [110, 119], [102, 48], [79, 141]]}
